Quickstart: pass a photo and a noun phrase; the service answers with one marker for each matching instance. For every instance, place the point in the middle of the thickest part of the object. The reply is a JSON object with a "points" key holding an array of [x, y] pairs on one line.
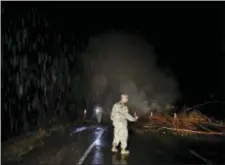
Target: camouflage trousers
{"points": [[120, 134]]}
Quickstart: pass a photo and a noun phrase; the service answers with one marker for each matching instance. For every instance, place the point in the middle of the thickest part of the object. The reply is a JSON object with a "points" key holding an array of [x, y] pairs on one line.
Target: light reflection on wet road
{"points": [[98, 150], [77, 129], [151, 149], [92, 145]]}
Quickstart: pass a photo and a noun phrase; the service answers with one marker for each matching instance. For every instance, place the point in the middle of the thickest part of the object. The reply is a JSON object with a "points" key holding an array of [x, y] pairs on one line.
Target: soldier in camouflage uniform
{"points": [[119, 117]]}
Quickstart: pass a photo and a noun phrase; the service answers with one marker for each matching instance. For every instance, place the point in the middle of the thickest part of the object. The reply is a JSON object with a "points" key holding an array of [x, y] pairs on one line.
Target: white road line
{"points": [[200, 157], [84, 156]]}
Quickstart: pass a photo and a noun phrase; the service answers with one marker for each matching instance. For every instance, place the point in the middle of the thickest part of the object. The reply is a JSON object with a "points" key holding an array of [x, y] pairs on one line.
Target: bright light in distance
{"points": [[98, 109]]}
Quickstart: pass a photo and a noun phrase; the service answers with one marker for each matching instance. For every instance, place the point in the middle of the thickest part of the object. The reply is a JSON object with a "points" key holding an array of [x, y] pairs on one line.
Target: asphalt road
{"points": [[149, 148], [87, 145]]}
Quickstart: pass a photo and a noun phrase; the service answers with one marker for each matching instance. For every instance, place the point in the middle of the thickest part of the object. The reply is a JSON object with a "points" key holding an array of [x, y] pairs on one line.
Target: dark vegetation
{"points": [[42, 71]]}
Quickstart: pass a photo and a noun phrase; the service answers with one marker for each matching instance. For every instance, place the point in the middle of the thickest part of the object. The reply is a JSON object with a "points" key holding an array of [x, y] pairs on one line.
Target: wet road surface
{"points": [[148, 148], [87, 145]]}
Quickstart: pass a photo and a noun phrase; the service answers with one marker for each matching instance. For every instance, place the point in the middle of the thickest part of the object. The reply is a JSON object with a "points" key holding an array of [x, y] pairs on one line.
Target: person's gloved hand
{"points": [[135, 116]]}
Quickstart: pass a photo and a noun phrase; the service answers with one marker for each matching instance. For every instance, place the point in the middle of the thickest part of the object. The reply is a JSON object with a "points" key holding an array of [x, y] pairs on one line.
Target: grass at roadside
{"points": [[16, 147]]}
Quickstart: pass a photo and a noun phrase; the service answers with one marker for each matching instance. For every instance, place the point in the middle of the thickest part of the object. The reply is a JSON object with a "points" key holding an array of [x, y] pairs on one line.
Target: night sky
{"points": [[187, 36]]}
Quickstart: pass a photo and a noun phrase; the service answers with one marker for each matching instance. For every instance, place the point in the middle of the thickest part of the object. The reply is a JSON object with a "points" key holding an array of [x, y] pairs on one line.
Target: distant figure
{"points": [[119, 117], [98, 113]]}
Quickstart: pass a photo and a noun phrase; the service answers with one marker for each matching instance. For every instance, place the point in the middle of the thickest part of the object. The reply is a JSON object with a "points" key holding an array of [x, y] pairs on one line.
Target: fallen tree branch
{"points": [[199, 105], [205, 128], [192, 131], [215, 124]]}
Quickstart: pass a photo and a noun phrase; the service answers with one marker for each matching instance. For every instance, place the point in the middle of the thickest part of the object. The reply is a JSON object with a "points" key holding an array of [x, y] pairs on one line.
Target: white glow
{"points": [[98, 142], [97, 110]]}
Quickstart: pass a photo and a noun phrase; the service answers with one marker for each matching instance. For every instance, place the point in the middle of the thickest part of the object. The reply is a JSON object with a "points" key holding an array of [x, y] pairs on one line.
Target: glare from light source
{"points": [[98, 109], [98, 142]]}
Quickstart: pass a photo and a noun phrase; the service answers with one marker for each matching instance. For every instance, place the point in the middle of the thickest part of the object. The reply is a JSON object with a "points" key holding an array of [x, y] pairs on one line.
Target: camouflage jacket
{"points": [[120, 113]]}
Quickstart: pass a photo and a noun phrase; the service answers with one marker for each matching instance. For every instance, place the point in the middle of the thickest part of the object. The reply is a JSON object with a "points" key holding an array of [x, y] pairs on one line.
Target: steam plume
{"points": [[125, 62]]}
